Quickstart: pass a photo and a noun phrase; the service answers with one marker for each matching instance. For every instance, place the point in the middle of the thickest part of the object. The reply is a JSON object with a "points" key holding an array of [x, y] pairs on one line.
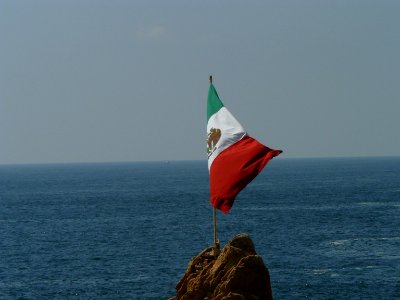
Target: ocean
{"points": [[325, 228]]}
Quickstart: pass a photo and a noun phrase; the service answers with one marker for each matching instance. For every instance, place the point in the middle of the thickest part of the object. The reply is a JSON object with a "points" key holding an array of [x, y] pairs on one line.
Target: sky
{"points": [[104, 81]]}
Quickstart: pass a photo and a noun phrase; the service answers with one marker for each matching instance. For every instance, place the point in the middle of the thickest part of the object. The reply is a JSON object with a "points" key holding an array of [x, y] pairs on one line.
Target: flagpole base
{"points": [[216, 249]]}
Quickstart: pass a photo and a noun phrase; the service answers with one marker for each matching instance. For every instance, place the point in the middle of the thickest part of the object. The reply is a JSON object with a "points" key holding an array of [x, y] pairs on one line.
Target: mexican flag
{"points": [[234, 158]]}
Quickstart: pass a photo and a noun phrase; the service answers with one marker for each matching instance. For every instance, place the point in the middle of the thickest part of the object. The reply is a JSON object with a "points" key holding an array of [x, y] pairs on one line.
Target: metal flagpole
{"points": [[216, 242]]}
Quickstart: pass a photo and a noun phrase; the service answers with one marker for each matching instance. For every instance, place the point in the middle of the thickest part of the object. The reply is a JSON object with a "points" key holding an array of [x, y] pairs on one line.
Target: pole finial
{"points": [[210, 78]]}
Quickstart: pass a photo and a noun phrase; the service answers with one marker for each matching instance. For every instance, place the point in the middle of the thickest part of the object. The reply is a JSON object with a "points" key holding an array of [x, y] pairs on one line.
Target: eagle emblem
{"points": [[213, 137]]}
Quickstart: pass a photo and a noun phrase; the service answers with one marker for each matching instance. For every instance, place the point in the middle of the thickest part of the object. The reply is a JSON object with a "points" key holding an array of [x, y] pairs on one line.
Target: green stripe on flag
{"points": [[213, 104]]}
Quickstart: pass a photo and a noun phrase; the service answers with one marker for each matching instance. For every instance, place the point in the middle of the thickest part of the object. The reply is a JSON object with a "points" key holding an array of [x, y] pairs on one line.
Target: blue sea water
{"points": [[325, 228]]}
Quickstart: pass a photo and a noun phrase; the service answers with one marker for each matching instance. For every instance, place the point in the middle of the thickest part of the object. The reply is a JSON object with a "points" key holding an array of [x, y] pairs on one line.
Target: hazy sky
{"points": [[92, 81]]}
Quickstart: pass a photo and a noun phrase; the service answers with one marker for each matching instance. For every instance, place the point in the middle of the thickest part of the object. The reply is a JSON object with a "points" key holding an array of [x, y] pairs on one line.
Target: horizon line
{"points": [[183, 160]]}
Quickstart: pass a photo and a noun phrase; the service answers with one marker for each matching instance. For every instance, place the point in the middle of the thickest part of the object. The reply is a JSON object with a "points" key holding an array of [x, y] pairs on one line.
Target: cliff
{"points": [[237, 273]]}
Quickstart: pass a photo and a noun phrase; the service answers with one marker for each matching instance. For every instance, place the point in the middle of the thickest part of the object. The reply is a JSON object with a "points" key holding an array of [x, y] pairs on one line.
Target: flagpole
{"points": [[216, 242]]}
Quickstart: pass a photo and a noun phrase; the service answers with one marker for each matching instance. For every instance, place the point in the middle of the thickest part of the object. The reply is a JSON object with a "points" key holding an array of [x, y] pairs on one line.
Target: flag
{"points": [[234, 158]]}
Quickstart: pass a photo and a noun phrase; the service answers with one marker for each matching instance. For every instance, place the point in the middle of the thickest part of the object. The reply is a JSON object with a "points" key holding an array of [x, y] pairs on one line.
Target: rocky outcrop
{"points": [[237, 273]]}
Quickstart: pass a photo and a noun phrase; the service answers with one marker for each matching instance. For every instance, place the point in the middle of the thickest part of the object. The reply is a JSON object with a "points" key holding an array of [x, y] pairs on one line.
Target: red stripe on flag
{"points": [[234, 168]]}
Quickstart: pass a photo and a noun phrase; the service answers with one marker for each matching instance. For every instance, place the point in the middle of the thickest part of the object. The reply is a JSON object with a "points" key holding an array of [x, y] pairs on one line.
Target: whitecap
{"points": [[321, 271], [371, 203], [340, 242], [377, 203]]}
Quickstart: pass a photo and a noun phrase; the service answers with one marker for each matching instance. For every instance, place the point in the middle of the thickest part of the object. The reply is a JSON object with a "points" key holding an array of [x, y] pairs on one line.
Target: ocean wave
{"points": [[319, 207], [340, 242], [363, 239], [296, 207], [376, 203], [321, 271]]}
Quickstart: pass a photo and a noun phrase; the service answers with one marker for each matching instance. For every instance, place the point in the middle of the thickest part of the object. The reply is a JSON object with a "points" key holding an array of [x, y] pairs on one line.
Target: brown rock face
{"points": [[238, 273]]}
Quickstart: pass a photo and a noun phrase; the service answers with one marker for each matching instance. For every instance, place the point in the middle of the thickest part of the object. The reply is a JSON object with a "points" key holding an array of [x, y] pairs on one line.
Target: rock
{"points": [[238, 273]]}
